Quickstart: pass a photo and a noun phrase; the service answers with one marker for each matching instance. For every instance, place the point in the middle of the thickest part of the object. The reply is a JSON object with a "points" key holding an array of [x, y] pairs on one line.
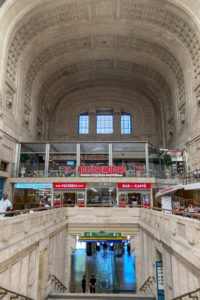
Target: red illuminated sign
{"points": [[102, 170], [72, 185], [134, 186]]}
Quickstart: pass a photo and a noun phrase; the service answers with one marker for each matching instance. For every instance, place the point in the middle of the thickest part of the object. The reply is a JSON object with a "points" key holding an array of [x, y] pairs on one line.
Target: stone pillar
{"points": [[46, 168], [92, 124], [135, 243], [70, 248], [117, 123]]}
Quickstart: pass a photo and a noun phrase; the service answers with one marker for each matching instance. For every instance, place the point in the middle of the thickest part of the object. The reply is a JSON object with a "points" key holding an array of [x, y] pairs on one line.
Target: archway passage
{"points": [[62, 58], [111, 264]]}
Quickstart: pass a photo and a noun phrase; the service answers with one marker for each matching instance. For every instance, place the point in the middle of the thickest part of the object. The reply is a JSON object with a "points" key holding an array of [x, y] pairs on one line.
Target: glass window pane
{"points": [[126, 124], [104, 124], [83, 124]]}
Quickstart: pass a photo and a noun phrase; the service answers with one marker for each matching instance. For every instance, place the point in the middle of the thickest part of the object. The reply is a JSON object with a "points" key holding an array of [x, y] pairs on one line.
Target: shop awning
{"points": [[192, 186], [169, 190]]}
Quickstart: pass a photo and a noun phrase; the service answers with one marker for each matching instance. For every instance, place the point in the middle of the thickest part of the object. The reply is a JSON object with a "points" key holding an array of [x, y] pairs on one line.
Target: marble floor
{"points": [[113, 274]]}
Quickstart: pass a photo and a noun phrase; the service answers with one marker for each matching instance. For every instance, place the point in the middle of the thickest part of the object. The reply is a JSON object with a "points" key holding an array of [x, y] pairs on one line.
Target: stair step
{"points": [[99, 297]]}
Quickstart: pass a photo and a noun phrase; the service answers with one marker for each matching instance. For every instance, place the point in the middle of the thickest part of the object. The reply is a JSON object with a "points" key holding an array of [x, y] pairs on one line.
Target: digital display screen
{"points": [[70, 163]]}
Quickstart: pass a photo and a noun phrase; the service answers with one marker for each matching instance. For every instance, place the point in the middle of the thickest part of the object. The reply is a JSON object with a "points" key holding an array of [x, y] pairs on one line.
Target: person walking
{"points": [[92, 284], [83, 284], [5, 204]]}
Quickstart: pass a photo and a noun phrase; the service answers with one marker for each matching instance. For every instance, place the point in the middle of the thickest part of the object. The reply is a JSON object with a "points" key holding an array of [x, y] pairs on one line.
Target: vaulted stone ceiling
{"points": [[53, 48]]}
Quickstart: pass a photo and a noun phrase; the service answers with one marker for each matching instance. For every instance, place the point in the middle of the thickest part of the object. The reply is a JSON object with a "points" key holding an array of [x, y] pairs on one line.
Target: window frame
{"points": [[100, 115], [131, 124], [79, 122]]}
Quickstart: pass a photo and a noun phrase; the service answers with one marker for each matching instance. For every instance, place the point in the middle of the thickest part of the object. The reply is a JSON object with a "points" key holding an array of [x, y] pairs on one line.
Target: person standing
{"points": [[83, 284], [5, 204], [92, 284]]}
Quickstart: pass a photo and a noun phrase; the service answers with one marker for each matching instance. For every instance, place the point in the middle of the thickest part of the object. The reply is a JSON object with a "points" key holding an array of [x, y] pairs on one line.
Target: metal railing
{"points": [[13, 295], [148, 286], [191, 177], [58, 284], [195, 294]]}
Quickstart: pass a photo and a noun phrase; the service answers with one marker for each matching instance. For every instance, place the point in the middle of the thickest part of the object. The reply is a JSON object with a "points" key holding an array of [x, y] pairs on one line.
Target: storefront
{"points": [[72, 194], [134, 194], [28, 195], [102, 193]]}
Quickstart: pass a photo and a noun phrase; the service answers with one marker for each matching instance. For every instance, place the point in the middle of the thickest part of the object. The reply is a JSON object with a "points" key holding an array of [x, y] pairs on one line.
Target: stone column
{"points": [[70, 248], [117, 123], [135, 243], [92, 124]]}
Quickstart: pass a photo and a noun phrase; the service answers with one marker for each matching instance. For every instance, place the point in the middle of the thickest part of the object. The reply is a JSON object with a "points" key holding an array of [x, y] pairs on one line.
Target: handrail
{"points": [[148, 281], [15, 294], [57, 281], [190, 294], [173, 212]]}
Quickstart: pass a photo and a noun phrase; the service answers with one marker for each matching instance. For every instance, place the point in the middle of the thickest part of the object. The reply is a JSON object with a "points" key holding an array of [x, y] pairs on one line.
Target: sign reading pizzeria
{"points": [[102, 170], [134, 186], [71, 185]]}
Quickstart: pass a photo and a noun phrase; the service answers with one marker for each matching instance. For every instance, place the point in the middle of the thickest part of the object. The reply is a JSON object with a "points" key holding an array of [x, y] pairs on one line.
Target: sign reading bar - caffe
{"points": [[104, 170]]}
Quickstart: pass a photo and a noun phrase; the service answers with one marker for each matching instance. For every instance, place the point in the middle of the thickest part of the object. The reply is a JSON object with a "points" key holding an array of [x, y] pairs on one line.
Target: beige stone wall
{"points": [[35, 246], [172, 240], [54, 53]]}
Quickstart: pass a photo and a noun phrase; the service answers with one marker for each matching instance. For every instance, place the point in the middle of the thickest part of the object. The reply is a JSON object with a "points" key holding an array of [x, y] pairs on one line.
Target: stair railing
{"points": [[58, 285], [148, 286], [13, 295], [195, 295]]}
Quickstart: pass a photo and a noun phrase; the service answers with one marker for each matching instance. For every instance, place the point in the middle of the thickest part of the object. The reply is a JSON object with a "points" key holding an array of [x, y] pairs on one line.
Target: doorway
{"points": [[112, 264]]}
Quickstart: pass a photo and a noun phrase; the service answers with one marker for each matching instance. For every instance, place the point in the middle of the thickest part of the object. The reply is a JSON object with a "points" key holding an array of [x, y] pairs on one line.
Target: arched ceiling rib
{"points": [[163, 16], [116, 43], [134, 75]]}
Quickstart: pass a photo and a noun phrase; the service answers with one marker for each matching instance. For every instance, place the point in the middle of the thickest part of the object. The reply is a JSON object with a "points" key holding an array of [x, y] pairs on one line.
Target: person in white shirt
{"points": [[4, 204]]}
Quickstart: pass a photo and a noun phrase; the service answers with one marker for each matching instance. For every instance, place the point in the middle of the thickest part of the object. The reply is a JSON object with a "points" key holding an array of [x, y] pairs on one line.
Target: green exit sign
{"points": [[102, 233]]}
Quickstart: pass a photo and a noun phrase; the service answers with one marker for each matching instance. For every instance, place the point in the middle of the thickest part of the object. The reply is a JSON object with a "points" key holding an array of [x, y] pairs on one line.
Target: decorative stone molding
{"points": [[9, 99], [170, 128], [169, 19], [27, 114], [197, 95], [182, 115], [120, 42]]}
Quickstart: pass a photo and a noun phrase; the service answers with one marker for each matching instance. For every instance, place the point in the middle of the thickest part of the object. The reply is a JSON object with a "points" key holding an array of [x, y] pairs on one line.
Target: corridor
{"points": [[114, 274]]}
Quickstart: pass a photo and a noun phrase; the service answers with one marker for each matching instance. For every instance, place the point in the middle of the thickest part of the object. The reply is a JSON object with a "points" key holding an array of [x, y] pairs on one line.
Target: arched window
{"points": [[83, 123], [126, 126]]}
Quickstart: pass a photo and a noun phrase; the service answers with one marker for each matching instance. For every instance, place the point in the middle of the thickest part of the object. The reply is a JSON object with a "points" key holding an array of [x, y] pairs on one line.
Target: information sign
{"points": [[34, 186], [160, 280], [166, 203]]}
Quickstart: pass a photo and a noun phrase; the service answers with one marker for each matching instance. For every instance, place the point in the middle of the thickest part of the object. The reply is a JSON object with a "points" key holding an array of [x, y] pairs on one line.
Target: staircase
{"points": [[99, 297]]}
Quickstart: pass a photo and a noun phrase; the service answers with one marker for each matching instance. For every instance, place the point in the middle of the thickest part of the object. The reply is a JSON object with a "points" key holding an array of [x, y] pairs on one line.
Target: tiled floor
{"points": [[113, 274]]}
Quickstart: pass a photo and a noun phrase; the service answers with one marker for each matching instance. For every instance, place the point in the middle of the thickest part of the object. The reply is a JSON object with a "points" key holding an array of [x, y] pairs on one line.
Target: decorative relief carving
{"points": [[132, 68], [27, 115], [182, 116], [9, 99], [104, 8], [49, 53], [197, 95], [139, 11], [170, 128], [134, 10], [40, 21], [120, 42]]}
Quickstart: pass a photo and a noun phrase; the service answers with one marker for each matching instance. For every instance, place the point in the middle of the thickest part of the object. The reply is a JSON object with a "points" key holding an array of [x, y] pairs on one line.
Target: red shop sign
{"points": [[102, 169], [134, 186], [71, 185]]}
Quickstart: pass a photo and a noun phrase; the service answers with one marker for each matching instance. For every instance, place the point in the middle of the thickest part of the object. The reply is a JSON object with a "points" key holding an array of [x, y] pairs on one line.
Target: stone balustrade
{"points": [[39, 244]]}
